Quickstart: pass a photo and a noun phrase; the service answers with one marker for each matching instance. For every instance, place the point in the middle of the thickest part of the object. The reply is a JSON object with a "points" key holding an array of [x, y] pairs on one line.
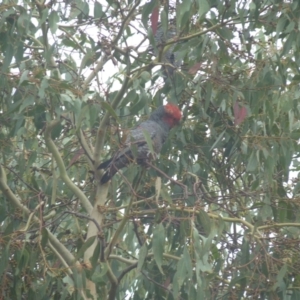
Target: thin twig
{"points": [[162, 286], [100, 234], [184, 187], [125, 271]]}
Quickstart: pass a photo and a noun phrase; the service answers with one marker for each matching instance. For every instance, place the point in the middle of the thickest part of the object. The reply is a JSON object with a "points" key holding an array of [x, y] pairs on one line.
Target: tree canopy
{"points": [[217, 216]]}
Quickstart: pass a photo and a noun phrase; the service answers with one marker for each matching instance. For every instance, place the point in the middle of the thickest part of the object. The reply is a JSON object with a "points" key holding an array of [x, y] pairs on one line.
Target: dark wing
{"points": [[135, 147]]}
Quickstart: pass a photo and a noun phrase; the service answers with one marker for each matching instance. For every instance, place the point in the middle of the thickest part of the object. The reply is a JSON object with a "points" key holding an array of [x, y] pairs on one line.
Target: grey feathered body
{"points": [[135, 147]]}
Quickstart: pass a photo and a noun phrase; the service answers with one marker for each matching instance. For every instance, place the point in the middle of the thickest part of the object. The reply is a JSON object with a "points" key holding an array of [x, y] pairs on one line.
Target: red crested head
{"points": [[172, 114], [167, 115]]}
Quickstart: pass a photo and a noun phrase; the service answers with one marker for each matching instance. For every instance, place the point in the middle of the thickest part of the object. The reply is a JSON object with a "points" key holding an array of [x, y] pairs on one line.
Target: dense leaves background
{"points": [[223, 222]]}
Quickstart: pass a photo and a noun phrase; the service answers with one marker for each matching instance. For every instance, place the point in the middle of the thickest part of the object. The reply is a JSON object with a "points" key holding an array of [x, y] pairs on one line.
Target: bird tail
{"points": [[107, 175], [105, 164]]}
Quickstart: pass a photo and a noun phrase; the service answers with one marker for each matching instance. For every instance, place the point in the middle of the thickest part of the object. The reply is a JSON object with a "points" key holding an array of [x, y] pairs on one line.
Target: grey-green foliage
{"points": [[234, 234]]}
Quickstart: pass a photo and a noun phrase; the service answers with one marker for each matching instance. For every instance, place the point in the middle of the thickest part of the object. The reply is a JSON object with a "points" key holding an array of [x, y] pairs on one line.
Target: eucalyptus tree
{"points": [[216, 216]]}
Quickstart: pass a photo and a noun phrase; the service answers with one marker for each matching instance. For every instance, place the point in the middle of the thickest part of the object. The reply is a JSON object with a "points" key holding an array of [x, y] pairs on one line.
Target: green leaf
{"points": [[8, 229], [280, 284], [219, 139], [76, 9], [145, 76], [45, 14], [164, 24], [265, 213], [44, 85], [147, 10], [157, 188], [95, 257], [204, 221], [85, 246], [27, 102], [4, 261], [107, 107], [148, 141], [225, 33], [252, 163], [140, 104], [88, 59], [296, 78], [24, 76], [23, 261], [239, 280], [24, 20], [165, 195], [282, 212], [132, 97], [252, 6], [183, 272], [182, 13], [98, 12], [281, 24], [290, 27], [288, 43], [44, 239], [19, 53], [9, 53], [55, 133], [49, 53], [196, 240], [53, 20], [85, 8], [291, 120], [158, 243], [203, 8], [142, 256], [245, 252]]}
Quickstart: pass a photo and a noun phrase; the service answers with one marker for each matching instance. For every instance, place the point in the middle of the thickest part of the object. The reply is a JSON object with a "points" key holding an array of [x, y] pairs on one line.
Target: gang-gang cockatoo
{"points": [[136, 146]]}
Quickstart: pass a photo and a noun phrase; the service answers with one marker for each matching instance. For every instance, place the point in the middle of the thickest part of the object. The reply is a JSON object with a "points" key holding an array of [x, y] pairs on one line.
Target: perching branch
{"points": [[125, 271]]}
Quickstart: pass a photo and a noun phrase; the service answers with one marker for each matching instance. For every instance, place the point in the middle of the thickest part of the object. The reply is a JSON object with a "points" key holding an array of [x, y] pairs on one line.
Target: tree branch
{"points": [[184, 187], [64, 252], [85, 147], [62, 169], [125, 271], [114, 283]]}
